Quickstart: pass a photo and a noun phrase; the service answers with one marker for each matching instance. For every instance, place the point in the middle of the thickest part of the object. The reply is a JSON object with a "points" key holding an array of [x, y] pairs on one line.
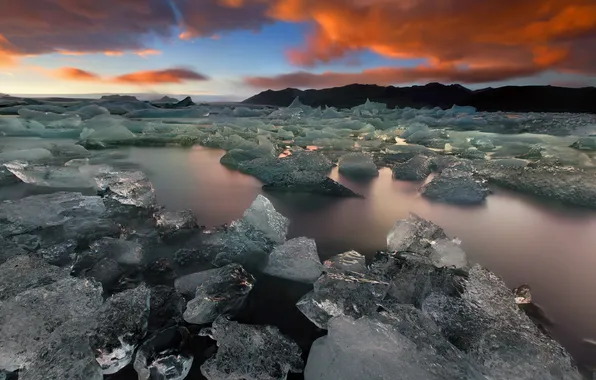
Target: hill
{"points": [[510, 98]]}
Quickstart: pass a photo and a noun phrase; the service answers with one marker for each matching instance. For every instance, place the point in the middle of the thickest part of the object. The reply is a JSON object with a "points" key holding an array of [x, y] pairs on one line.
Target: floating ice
{"points": [[357, 165], [336, 294], [250, 352], [415, 169], [121, 324], [28, 155], [221, 292], [297, 259], [89, 111], [413, 234], [127, 187], [486, 324], [348, 261], [122, 251], [405, 344], [169, 222], [31, 273], [38, 212], [164, 356], [52, 176], [29, 318], [456, 186], [65, 354], [262, 216]]}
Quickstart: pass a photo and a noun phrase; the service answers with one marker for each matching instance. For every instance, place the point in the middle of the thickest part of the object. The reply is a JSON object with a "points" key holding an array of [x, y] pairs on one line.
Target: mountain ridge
{"points": [[508, 98]]}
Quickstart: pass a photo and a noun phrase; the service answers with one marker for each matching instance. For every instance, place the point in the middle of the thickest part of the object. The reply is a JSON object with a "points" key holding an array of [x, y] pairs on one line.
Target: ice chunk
{"points": [[38, 212], [246, 112], [222, 292], [262, 216], [112, 133], [250, 352], [50, 119], [9, 250], [405, 344], [585, 143], [122, 251], [456, 186], [167, 306], [248, 247], [52, 176], [69, 151], [348, 261], [21, 273], [483, 143], [65, 354], [357, 165], [28, 155], [335, 294], [128, 187], [6, 177], [29, 318], [121, 325], [486, 324], [426, 137], [461, 110], [165, 356], [193, 113], [90, 111], [415, 169], [448, 253], [563, 184], [413, 234], [297, 259], [414, 128], [170, 222]]}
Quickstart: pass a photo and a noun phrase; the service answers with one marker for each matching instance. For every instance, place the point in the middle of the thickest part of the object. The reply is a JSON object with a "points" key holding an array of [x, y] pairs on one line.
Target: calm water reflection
{"points": [[549, 247]]}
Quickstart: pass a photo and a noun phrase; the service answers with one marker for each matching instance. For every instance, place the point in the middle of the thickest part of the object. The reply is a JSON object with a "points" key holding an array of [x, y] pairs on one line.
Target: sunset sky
{"points": [[235, 48]]}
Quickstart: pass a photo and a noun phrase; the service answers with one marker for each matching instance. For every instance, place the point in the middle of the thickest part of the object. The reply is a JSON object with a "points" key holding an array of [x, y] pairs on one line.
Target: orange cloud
{"points": [[145, 52], [393, 75], [72, 73], [177, 75], [454, 32], [174, 75]]}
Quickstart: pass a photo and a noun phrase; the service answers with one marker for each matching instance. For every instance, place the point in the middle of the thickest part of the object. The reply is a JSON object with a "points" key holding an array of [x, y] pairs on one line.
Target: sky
{"points": [[232, 49]]}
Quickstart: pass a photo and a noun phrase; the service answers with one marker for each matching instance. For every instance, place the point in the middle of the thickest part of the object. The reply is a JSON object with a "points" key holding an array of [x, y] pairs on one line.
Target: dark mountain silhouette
{"points": [[510, 98]]}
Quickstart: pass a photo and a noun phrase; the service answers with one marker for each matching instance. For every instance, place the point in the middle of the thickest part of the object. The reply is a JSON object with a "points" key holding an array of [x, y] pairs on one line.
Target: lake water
{"points": [[548, 246], [525, 241]]}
